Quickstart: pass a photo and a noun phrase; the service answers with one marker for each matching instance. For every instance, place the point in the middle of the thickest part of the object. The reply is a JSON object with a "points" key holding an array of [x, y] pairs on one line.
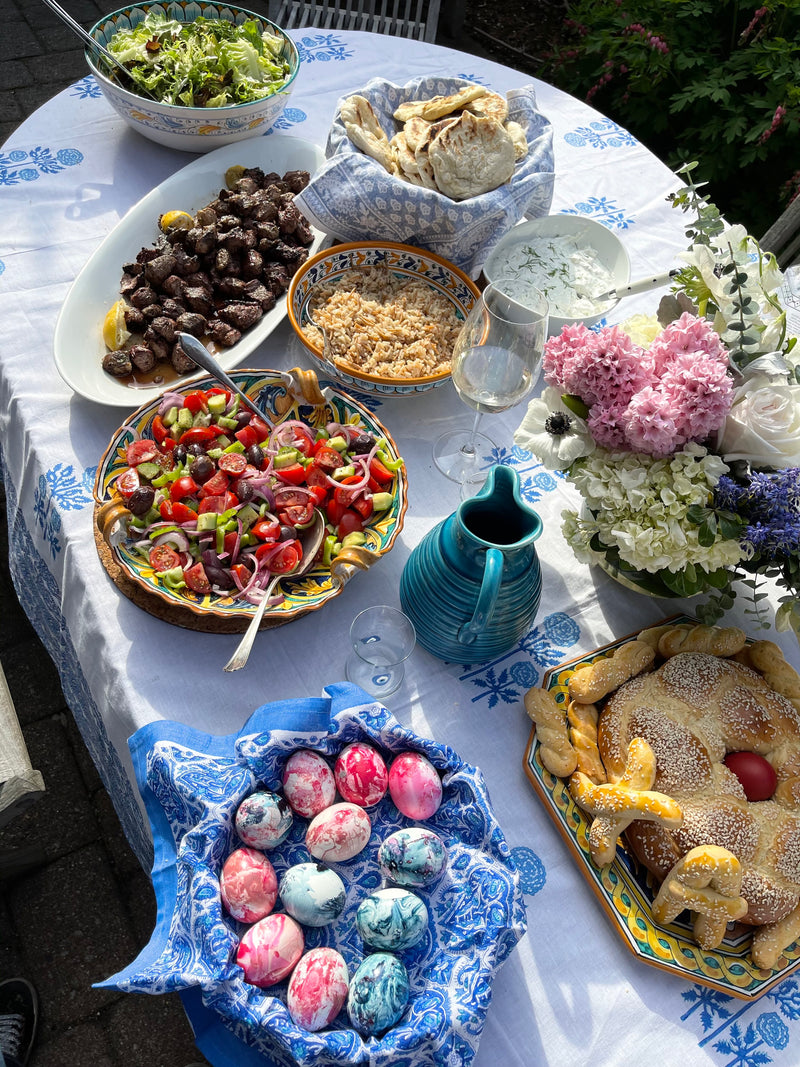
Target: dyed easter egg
{"points": [[378, 993], [312, 894], [361, 775], [270, 949], [263, 820], [317, 989], [412, 856], [308, 783], [248, 885], [392, 919], [756, 774], [338, 833], [415, 786]]}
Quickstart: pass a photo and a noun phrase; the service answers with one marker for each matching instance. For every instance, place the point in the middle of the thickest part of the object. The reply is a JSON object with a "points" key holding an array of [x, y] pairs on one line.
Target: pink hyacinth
{"points": [[605, 368], [559, 352], [607, 427], [686, 334], [699, 394], [649, 426]]}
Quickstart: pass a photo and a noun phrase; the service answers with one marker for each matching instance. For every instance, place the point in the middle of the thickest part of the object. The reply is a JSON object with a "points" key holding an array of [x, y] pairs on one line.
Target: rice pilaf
{"points": [[385, 325]]}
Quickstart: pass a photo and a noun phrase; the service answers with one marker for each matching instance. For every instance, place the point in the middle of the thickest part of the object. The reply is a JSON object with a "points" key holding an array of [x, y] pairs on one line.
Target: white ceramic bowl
{"points": [[191, 129], [589, 234], [403, 261]]}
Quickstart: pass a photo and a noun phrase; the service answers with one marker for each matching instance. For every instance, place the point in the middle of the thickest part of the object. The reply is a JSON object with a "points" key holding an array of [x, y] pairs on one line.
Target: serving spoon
{"points": [[311, 539], [197, 351], [87, 39]]}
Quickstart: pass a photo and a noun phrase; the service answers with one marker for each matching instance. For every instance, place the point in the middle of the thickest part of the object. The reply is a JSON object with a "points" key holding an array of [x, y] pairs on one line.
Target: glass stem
{"points": [[469, 448]]}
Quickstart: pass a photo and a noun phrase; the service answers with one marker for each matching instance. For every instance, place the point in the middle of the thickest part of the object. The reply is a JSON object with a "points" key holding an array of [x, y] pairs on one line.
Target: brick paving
{"points": [[85, 907]]}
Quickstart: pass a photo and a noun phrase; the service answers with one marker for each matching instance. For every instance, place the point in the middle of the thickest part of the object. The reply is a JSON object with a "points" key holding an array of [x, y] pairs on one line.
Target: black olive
{"points": [[202, 469], [365, 442], [179, 453], [243, 489], [196, 449], [287, 533], [255, 456], [243, 418], [141, 500]]}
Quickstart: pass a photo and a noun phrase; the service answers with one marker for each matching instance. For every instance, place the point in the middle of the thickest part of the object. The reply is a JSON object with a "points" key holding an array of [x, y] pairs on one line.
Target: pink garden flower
{"points": [[649, 426], [699, 393], [607, 427], [686, 334]]}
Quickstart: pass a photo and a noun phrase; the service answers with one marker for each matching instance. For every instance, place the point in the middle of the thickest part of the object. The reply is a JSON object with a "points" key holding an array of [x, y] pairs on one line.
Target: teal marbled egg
{"points": [[378, 993], [392, 919], [312, 893], [413, 856]]}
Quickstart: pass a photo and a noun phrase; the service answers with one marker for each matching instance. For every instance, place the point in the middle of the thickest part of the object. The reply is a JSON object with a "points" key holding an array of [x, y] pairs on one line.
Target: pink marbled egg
{"points": [[248, 885], [317, 989], [270, 949], [361, 775], [338, 833], [308, 783], [415, 786]]}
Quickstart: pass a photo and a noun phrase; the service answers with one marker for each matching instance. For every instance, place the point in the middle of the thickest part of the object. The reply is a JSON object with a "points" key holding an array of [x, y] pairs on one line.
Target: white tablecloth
{"points": [[571, 992]]}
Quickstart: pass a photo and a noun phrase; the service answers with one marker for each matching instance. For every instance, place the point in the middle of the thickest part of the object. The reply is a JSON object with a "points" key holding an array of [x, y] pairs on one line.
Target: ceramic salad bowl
{"points": [[404, 262], [191, 129], [283, 396]]}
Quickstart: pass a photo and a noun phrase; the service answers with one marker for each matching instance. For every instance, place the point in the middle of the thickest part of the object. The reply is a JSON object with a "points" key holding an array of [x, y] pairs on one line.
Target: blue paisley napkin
{"points": [[352, 197], [192, 783]]}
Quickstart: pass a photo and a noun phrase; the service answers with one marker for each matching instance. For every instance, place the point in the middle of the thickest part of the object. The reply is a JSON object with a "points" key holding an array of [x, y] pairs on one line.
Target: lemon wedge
{"points": [[233, 174], [115, 332], [175, 220]]}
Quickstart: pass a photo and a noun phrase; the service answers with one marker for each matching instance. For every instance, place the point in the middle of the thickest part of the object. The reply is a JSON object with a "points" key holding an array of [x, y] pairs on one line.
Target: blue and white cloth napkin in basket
{"points": [[352, 197], [192, 783]]}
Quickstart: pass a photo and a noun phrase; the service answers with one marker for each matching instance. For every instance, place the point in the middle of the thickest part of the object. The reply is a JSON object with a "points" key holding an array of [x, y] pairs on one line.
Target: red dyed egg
{"points": [[756, 774]]}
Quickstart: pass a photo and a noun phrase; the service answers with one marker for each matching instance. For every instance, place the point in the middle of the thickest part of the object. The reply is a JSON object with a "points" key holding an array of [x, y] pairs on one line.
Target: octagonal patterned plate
{"points": [[280, 396], [626, 889]]}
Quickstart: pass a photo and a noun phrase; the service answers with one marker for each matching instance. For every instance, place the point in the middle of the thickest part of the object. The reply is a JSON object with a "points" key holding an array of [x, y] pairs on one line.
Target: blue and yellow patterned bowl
{"points": [[404, 261], [190, 129], [293, 394]]}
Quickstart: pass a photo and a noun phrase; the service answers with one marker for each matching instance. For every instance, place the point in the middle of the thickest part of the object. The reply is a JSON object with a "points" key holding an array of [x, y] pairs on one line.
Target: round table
{"points": [[571, 992]]}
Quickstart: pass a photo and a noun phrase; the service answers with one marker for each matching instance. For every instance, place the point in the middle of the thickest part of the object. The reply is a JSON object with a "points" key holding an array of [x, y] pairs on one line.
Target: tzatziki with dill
{"points": [[565, 268]]}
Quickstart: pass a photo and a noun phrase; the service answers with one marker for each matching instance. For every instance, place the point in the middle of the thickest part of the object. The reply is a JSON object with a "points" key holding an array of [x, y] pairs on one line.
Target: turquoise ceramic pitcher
{"points": [[472, 585]]}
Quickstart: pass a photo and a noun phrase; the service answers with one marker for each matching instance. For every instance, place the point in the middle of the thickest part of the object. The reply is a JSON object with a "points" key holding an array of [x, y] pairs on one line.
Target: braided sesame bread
{"points": [[694, 710]]}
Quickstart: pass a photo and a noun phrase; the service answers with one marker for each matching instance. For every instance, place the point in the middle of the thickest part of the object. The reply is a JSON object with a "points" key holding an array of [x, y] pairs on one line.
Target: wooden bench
{"points": [[783, 236]]}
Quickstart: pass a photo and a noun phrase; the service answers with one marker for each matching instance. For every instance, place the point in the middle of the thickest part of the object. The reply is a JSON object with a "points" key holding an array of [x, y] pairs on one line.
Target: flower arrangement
{"points": [[682, 432]]}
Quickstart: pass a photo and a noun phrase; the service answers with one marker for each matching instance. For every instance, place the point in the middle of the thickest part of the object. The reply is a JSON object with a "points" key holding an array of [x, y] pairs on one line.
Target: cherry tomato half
{"points": [[160, 431], [294, 474], [287, 558], [350, 522], [197, 580], [163, 558], [266, 530], [128, 482], [328, 459], [215, 485], [199, 435], [183, 486], [196, 401], [232, 462], [380, 473], [297, 514], [143, 451]]}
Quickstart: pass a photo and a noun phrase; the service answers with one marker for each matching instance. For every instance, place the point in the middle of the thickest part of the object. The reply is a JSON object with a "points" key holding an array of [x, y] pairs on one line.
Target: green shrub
{"points": [[713, 80]]}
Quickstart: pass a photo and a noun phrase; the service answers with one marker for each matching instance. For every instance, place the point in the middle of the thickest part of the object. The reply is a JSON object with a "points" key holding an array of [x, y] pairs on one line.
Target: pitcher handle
{"points": [[487, 598]]}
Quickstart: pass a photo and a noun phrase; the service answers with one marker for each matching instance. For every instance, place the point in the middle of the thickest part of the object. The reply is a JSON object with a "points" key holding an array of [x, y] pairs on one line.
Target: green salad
{"points": [[205, 63]]}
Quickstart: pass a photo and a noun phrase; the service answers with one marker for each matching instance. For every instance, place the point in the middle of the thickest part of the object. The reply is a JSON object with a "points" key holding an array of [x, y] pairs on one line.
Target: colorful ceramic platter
{"points": [[269, 389], [626, 890], [78, 343]]}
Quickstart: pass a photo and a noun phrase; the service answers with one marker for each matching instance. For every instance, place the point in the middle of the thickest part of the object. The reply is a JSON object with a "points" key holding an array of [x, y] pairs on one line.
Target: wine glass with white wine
{"points": [[495, 363]]}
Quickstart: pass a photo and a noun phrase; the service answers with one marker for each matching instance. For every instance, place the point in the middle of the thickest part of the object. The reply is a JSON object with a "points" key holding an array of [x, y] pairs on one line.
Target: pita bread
{"points": [[518, 138], [491, 104], [471, 156], [358, 111], [437, 106], [404, 157], [416, 130], [373, 146]]}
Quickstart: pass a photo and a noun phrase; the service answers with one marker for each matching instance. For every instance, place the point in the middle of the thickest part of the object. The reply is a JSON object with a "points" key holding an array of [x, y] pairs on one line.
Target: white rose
{"points": [[763, 426]]}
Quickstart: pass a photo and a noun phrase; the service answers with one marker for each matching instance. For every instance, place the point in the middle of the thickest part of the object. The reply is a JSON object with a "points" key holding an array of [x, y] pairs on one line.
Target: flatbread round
{"points": [[437, 106], [492, 104], [471, 156]]}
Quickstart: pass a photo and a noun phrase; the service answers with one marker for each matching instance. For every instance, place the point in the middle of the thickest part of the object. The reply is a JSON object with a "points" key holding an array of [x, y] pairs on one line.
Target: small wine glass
{"points": [[495, 363], [382, 638]]}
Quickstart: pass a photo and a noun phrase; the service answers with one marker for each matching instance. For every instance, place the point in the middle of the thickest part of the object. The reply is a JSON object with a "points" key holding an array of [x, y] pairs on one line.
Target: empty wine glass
{"points": [[495, 364], [382, 638]]}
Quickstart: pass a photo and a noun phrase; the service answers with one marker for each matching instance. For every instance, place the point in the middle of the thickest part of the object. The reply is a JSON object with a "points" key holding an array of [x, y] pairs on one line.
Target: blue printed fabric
{"points": [[353, 197], [192, 784]]}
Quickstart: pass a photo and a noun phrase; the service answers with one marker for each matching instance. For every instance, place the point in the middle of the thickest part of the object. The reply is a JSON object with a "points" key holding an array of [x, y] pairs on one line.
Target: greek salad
{"points": [[219, 499]]}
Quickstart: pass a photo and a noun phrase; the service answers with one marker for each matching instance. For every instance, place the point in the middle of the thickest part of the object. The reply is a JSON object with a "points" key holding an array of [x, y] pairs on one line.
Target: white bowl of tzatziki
{"points": [[571, 259]]}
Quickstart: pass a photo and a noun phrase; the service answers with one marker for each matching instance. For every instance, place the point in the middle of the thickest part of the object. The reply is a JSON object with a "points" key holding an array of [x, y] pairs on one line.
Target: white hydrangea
{"points": [[638, 503]]}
